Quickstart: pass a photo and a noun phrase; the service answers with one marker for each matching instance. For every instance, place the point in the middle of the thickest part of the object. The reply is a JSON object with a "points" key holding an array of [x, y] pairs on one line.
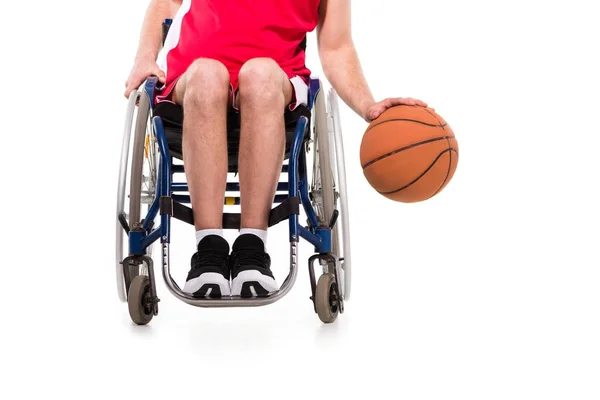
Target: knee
{"points": [[206, 81], [261, 78]]}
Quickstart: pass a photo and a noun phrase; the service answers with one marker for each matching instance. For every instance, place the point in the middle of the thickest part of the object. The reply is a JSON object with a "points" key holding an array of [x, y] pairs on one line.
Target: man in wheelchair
{"points": [[246, 57]]}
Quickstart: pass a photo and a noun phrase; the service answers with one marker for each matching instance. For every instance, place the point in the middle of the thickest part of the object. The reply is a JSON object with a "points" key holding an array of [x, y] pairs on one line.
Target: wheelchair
{"points": [[151, 156]]}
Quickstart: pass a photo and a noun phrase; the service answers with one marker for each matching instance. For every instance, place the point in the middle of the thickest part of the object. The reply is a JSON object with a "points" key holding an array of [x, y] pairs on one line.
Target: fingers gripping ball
{"points": [[409, 154]]}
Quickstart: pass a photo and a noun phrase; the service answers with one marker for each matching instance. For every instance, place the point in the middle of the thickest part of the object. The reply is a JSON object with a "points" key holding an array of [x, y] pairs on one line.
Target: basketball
{"points": [[409, 154]]}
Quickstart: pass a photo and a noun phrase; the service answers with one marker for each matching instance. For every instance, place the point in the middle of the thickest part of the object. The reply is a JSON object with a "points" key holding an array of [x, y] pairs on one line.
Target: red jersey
{"points": [[236, 31]]}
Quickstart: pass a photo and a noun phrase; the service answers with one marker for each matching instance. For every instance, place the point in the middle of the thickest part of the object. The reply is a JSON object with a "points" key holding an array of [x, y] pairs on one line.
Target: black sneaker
{"points": [[209, 276], [250, 268]]}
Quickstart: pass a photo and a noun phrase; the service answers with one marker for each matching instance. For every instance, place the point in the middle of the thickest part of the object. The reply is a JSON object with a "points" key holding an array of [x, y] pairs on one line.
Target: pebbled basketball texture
{"points": [[409, 154]]}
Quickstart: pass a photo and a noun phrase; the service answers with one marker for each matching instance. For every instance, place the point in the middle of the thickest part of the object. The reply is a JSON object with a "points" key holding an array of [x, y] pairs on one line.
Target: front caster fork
{"points": [[151, 299], [325, 259]]}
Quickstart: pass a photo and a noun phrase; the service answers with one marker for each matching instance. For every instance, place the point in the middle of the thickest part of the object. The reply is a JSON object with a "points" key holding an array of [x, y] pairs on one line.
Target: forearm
{"points": [[342, 69], [151, 34]]}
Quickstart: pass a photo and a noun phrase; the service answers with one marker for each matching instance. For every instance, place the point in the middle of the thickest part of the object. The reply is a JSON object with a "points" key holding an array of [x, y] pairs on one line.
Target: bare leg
{"points": [[204, 93], [203, 90], [265, 90]]}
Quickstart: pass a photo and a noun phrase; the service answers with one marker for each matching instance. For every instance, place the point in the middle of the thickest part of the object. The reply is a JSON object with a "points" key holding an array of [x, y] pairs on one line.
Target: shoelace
{"points": [[250, 257], [211, 259]]}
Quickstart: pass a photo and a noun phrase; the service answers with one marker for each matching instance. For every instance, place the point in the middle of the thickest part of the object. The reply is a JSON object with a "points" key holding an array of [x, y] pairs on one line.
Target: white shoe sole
{"points": [[266, 282], [208, 278]]}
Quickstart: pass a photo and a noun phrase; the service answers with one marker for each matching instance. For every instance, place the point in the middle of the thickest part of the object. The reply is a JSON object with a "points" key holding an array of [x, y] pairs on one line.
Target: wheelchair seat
{"points": [[172, 118]]}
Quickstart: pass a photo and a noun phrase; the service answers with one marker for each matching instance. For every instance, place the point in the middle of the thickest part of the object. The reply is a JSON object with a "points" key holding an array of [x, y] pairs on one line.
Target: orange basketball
{"points": [[409, 154]]}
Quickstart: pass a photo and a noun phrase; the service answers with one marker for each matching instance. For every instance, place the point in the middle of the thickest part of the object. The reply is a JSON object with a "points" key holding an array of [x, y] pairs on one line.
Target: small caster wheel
{"points": [[140, 309], [326, 298], [130, 271]]}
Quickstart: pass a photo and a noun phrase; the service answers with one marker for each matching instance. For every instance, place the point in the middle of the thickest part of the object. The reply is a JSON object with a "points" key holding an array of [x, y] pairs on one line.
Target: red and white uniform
{"points": [[235, 31]]}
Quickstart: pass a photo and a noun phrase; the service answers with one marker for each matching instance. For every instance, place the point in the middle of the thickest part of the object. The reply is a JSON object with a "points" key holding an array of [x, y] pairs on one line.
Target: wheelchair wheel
{"points": [[140, 306], [144, 164], [343, 225], [328, 187], [327, 298], [138, 177]]}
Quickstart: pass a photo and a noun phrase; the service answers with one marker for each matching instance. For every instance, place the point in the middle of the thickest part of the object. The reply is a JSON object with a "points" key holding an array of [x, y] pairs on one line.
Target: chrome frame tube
{"points": [[230, 301], [342, 190], [121, 194]]}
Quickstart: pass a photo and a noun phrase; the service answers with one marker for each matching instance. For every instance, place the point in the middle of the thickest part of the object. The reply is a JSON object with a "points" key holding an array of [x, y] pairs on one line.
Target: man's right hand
{"points": [[142, 69]]}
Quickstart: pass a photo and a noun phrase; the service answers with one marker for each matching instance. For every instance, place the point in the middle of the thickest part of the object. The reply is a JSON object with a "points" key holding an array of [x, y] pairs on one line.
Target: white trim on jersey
{"points": [[172, 38]]}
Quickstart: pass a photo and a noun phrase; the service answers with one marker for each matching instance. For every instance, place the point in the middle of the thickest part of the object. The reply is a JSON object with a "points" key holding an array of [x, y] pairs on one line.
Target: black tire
{"points": [[326, 299], [139, 310]]}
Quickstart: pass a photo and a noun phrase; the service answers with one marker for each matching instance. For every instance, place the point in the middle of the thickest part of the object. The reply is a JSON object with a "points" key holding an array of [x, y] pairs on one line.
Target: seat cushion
{"points": [[172, 117]]}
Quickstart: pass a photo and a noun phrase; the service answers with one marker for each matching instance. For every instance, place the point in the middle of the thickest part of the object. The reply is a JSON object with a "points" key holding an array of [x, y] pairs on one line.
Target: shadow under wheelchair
{"points": [[147, 193]]}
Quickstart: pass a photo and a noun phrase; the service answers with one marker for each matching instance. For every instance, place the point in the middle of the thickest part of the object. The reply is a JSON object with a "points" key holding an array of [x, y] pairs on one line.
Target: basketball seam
{"points": [[422, 174], [391, 153], [449, 154], [404, 119], [436, 118], [447, 172]]}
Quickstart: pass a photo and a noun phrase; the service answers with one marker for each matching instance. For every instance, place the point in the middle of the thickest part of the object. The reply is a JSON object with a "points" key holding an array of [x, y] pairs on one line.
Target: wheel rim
{"points": [[328, 150], [345, 270], [149, 175], [144, 168], [316, 186], [137, 185], [333, 297], [146, 305], [121, 195], [323, 185]]}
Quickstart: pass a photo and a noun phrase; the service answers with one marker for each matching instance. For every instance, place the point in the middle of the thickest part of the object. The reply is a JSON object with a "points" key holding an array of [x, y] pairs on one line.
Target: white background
{"points": [[490, 290]]}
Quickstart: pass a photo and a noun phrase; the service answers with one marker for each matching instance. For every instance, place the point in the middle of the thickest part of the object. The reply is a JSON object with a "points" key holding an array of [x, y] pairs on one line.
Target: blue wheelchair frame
{"points": [[140, 288], [297, 185]]}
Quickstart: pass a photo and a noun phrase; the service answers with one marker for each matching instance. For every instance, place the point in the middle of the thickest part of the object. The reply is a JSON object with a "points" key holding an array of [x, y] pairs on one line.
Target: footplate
{"points": [[230, 301]]}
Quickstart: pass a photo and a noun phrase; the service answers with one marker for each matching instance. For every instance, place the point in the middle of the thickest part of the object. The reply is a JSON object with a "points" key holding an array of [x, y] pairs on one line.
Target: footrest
{"points": [[231, 301]]}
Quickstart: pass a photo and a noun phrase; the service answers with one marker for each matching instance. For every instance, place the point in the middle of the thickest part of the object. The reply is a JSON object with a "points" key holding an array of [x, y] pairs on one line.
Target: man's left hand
{"points": [[374, 111]]}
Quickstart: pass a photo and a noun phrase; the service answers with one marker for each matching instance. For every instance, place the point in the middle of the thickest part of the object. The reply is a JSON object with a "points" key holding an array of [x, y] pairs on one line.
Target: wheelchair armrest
{"points": [[314, 86], [150, 87]]}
